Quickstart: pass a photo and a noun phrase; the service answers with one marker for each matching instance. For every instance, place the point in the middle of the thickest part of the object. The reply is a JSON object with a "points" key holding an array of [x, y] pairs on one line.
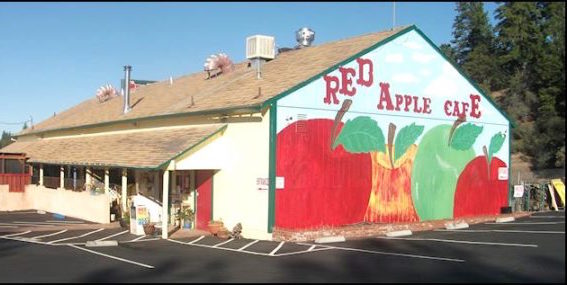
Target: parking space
{"points": [[32, 218], [522, 250]]}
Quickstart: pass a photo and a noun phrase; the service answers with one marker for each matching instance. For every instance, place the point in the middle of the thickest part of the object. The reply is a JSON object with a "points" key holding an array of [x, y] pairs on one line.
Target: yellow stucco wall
{"points": [[241, 155]]}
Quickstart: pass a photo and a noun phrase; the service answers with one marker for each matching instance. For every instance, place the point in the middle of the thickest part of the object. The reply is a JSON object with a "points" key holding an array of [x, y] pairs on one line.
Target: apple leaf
{"points": [[406, 137], [465, 136], [362, 134], [495, 144]]}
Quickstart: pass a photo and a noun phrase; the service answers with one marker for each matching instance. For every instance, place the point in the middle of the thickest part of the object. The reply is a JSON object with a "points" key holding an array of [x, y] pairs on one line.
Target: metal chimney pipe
{"points": [[127, 69]]}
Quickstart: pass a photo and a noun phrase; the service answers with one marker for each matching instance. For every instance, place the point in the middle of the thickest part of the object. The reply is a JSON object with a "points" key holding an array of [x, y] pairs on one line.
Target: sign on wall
{"points": [[518, 191]]}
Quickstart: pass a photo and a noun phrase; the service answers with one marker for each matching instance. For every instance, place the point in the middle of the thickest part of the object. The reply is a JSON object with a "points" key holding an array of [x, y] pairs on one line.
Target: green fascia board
{"points": [[332, 68], [462, 73], [220, 111], [220, 130], [380, 43]]}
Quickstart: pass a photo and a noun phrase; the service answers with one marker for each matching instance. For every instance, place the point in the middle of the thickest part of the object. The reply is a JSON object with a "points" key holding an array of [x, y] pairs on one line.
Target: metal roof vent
{"points": [[304, 37]]}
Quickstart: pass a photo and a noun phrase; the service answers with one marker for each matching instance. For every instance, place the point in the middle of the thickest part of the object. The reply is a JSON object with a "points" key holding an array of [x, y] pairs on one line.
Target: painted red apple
{"points": [[323, 186], [479, 191]]}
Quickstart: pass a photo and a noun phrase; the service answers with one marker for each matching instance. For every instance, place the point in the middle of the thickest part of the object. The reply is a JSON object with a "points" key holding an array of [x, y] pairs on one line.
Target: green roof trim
{"points": [[462, 73], [378, 44], [220, 111], [332, 68], [220, 130]]}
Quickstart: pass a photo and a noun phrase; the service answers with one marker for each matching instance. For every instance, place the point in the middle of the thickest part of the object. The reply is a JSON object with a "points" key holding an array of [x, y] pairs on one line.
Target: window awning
{"points": [[148, 149]]}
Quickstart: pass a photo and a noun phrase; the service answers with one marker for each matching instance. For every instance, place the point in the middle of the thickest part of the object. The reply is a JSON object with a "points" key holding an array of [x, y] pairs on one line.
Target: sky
{"points": [[55, 55]]}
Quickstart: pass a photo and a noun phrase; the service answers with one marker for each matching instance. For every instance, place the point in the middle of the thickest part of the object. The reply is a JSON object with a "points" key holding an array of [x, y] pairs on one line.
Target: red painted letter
{"points": [[448, 104], [416, 108], [331, 91], [399, 101], [407, 99], [426, 102], [347, 82], [361, 64], [475, 113], [385, 96]]}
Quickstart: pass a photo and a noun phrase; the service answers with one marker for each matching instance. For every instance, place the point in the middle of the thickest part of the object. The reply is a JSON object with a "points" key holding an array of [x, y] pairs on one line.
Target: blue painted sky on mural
{"points": [[56, 55]]}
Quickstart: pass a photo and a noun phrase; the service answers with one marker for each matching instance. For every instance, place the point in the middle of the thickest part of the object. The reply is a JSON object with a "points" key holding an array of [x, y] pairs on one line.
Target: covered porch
{"points": [[125, 166]]}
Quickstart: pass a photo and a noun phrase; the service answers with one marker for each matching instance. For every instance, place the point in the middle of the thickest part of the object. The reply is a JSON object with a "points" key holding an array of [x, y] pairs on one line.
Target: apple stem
{"points": [[391, 133], [461, 119], [487, 159], [338, 118]]}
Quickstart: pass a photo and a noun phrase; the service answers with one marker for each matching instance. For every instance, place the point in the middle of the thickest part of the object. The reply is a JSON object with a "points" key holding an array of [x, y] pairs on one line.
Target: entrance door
{"points": [[204, 188]]}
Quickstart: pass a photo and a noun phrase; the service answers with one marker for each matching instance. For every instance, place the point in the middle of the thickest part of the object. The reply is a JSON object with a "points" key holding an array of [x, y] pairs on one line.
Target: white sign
{"points": [[502, 173], [279, 182], [264, 183], [518, 191]]}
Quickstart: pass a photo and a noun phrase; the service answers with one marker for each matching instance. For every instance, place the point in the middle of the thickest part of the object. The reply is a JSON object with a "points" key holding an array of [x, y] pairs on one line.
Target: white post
{"points": [[174, 189], [88, 178], [137, 178], [124, 190], [106, 180], [62, 177], [164, 208], [41, 175]]}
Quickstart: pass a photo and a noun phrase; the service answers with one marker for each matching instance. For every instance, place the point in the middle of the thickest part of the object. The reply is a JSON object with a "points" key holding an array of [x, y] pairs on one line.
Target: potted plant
{"points": [[149, 228], [186, 217], [125, 219], [215, 226]]}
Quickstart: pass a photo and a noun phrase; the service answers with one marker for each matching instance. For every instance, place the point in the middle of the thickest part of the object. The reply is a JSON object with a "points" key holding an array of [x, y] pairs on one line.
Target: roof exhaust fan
{"points": [[304, 37]]}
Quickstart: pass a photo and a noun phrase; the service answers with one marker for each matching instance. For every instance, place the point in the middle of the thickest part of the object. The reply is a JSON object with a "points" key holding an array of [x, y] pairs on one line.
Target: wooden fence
{"points": [[16, 181]]}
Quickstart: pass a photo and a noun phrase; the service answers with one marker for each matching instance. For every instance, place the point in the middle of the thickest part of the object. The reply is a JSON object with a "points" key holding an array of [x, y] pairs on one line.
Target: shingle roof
{"points": [[142, 149], [233, 90]]}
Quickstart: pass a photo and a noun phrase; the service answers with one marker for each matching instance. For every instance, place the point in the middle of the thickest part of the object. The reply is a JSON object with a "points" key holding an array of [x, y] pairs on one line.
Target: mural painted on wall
{"points": [[395, 135]]}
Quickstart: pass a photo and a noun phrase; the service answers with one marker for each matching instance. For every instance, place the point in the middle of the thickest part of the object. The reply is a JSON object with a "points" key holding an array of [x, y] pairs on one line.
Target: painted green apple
{"points": [[442, 155]]}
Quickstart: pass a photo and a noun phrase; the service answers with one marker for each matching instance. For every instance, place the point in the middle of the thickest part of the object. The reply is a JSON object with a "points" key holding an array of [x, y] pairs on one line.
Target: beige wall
{"points": [[82, 205], [241, 155]]}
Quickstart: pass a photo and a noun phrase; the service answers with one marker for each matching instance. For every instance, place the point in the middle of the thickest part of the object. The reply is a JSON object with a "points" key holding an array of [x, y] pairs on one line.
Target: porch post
{"points": [[124, 189], [41, 175], [165, 206], [88, 178], [62, 177], [106, 180]]}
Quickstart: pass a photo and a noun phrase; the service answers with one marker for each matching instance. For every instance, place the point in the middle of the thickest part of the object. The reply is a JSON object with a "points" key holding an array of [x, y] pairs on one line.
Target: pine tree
{"points": [[6, 139], [473, 44]]}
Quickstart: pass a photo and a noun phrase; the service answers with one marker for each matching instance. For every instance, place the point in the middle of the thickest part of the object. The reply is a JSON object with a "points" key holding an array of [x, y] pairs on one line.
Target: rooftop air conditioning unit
{"points": [[259, 46]]}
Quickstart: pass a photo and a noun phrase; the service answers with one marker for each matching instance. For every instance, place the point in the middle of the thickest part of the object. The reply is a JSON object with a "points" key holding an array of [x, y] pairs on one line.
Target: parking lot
{"points": [[530, 249]]}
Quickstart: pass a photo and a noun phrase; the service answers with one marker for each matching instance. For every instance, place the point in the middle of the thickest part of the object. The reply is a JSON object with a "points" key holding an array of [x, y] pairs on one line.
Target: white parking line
{"points": [[500, 231], [249, 244], [301, 252], [536, 223], [17, 234], [120, 233], [219, 248], [35, 224], [277, 248], [547, 217], [2, 226], [390, 253], [138, 238], [83, 235], [462, 241], [65, 222], [224, 242], [311, 248], [113, 257], [148, 239], [196, 240], [48, 235], [21, 239]]}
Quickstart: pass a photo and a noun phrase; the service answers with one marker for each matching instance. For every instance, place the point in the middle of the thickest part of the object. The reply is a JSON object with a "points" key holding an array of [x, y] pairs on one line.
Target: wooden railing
{"points": [[79, 184], [16, 181], [51, 182]]}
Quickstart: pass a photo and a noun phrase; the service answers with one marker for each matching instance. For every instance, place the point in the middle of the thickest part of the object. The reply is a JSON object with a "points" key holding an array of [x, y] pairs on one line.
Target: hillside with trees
{"points": [[520, 62]]}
